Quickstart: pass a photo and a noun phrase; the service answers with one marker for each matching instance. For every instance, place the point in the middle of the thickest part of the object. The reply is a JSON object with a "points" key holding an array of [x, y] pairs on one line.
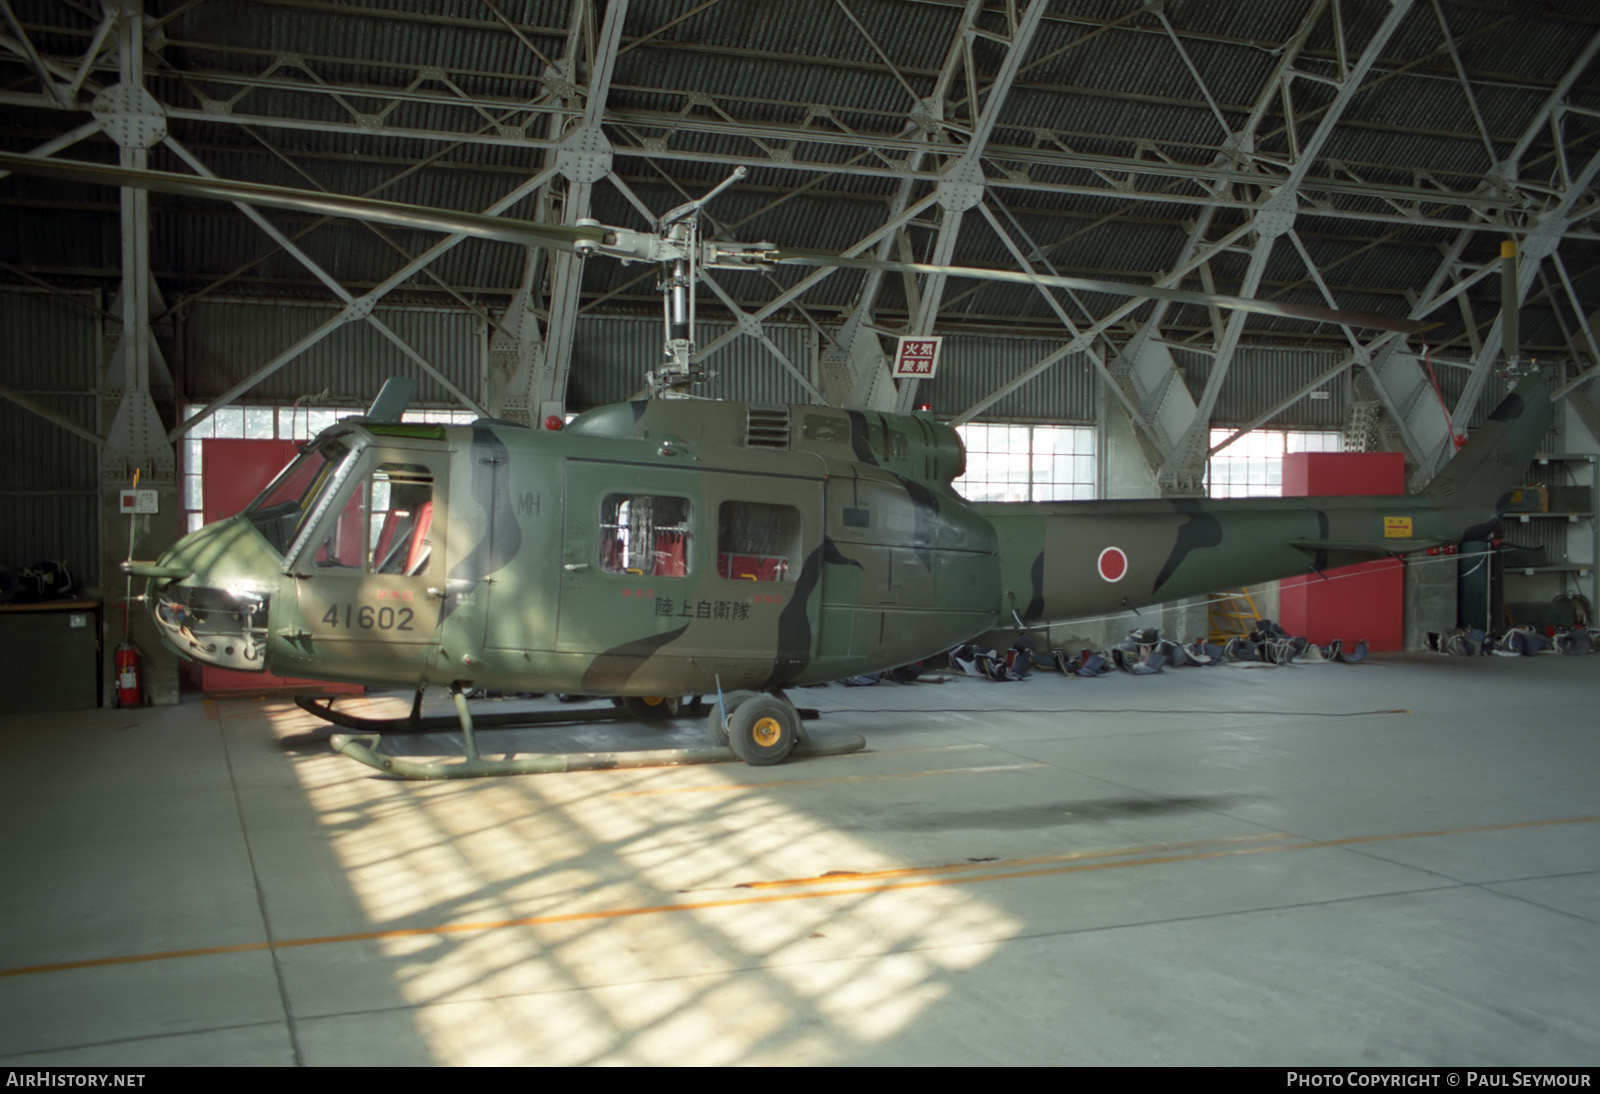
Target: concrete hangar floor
{"points": [[1389, 863]]}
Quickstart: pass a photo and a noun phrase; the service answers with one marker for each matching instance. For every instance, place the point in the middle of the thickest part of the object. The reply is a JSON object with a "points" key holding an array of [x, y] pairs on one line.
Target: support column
{"points": [[137, 439]]}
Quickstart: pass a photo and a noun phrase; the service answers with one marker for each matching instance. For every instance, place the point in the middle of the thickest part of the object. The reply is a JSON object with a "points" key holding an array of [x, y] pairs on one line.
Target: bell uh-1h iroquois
{"points": [[672, 546]]}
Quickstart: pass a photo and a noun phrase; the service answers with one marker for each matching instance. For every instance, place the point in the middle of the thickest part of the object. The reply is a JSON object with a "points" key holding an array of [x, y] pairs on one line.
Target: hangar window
{"points": [[1252, 466], [1028, 462]]}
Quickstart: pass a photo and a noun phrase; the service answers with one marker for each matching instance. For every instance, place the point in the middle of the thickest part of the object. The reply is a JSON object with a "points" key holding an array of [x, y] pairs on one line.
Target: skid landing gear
{"points": [[763, 729]]}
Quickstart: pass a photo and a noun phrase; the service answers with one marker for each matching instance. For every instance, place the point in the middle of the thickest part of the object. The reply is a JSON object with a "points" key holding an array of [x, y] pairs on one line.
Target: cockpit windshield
{"points": [[283, 508]]}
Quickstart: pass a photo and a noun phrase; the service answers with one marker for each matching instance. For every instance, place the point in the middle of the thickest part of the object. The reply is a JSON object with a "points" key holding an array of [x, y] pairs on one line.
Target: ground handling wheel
{"points": [[763, 730]]}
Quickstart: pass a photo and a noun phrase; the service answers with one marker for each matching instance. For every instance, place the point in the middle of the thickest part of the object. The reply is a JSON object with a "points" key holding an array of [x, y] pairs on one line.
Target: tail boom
{"points": [[1066, 560]]}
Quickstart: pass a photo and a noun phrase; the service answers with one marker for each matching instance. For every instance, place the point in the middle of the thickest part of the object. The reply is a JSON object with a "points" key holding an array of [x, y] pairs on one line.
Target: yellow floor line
{"points": [[1000, 871], [1037, 860], [742, 787]]}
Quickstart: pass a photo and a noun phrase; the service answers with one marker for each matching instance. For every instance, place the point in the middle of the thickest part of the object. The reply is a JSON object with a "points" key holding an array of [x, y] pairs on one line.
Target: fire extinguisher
{"points": [[127, 653], [127, 675]]}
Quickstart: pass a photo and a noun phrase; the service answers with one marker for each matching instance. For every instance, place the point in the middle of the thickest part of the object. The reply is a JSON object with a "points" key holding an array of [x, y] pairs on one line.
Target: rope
{"points": [[1459, 438]]}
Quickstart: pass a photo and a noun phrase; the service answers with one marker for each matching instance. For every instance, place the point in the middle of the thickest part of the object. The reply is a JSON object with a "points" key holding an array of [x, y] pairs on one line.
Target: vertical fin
{"points": [[392, 400], [1493, 462]]}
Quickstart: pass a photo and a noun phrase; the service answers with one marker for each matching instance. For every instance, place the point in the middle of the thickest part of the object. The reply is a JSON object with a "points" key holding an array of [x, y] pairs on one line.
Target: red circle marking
{"points": [[1113, 564]]}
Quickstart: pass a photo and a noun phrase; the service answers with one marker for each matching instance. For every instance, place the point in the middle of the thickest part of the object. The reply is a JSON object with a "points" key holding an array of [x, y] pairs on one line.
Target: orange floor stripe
{"points": [[838, 885]]}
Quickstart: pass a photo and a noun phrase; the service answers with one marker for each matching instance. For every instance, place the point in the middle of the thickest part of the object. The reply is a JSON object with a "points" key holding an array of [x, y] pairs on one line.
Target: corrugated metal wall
{"points": [[612, 355], [972, 366], [49, 478], [227, 340], [1261, 377]]}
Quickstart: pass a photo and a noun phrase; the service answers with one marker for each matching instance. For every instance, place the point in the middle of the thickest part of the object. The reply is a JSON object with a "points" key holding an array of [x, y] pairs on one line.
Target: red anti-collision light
{"points": [[553, 422]]}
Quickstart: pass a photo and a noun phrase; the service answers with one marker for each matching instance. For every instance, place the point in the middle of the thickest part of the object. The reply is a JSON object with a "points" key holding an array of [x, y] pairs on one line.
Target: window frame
{"points": [[1038, 448], [1270, 447]]}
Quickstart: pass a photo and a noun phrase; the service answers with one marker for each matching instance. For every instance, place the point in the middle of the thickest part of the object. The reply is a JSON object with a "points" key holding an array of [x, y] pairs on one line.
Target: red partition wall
{"points": [[1364, 601], [233, 473]]}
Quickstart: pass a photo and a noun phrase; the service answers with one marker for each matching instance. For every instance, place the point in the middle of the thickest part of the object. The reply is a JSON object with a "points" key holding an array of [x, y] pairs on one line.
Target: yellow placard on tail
{"points": [[1396, 527]]}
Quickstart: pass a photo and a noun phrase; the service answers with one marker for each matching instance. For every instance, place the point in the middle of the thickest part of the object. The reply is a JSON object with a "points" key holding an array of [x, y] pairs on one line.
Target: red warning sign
{"points": [[918, 358]]}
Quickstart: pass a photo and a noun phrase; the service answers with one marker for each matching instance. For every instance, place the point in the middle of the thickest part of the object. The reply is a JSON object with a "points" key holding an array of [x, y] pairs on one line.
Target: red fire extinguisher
{"points": [[127, 675], [127, 653]]}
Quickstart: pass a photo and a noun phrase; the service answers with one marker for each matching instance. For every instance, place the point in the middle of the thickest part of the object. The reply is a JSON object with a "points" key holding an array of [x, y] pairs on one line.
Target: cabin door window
{"points": [[401, 520], [757, 541], [645, 534]]}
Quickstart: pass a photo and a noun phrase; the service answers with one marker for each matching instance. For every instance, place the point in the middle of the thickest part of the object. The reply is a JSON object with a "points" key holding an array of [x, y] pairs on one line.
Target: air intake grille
{"points": [[767, 427]]}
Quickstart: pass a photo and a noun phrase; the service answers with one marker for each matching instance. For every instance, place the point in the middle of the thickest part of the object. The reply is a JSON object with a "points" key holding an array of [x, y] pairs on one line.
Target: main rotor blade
{"points": [[399, 214], [1120, 288]]}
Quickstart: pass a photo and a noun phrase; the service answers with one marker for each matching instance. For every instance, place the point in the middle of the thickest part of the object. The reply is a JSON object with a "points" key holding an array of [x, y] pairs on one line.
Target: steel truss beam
{"points": [[1146, 372], [832, 142], [962, 185], [1400, 383], [1185, 466], [1103, 175], [855, 368]]}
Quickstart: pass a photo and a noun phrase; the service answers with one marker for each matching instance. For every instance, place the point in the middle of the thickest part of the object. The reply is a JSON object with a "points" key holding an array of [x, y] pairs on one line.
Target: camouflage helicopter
{"points": [[672, 546]]}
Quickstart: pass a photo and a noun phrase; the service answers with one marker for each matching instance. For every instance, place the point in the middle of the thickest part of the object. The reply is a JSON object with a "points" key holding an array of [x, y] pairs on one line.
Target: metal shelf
{"points": [[1566, 476]]}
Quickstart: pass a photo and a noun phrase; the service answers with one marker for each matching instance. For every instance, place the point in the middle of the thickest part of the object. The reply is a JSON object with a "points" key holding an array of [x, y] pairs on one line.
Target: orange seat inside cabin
{"points": [[752, 567]]}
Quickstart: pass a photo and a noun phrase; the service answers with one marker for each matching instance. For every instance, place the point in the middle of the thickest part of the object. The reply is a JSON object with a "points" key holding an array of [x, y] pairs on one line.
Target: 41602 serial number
{"points": [[367, 618]]}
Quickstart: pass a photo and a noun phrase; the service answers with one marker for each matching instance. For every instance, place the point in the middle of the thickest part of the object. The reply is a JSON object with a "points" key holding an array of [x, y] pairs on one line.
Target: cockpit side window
{"points": [[281, 511], [386, 524], [344, 547]]}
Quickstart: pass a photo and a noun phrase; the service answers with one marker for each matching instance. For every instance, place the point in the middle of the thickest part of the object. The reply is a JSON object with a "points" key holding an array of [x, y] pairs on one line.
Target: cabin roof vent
{"points": [[767, 427]]}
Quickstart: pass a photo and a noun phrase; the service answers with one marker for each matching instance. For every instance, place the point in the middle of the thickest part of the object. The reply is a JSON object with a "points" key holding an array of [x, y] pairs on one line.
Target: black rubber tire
{"points": [[650, 708], [764, 730], [715, 721]]}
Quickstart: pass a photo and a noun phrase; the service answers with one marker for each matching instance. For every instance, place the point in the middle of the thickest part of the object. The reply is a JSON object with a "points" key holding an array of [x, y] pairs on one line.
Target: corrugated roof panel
{"points": [[1121, 90]]}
